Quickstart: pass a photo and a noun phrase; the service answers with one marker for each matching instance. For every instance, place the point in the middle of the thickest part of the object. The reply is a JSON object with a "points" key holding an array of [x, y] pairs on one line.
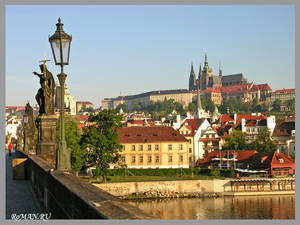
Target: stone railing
{"points": [[66, 196]]}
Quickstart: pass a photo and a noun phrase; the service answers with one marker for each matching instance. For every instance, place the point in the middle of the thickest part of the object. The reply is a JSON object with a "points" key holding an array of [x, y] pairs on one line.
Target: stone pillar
{"points": [[47, 146]]}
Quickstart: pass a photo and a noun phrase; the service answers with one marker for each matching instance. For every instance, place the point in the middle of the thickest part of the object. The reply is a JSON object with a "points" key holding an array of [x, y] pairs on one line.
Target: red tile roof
{"points": [[262, 87], [285, 90], [241, 156], [283, 128], [270, 158], [191, 124], [248, 117], [236, 89], [82, 118], [150, 135]]}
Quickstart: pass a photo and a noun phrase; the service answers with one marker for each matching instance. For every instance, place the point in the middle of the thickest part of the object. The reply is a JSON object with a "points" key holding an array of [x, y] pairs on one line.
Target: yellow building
{"points": [[153, 147]]}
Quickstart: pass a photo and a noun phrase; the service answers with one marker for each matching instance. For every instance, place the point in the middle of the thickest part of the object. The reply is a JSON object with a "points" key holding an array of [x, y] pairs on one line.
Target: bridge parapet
{"points": [[66, 196]]}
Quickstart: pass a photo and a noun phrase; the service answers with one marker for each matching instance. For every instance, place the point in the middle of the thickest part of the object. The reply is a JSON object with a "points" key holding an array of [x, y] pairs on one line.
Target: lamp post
{"points": [[60, 45]]}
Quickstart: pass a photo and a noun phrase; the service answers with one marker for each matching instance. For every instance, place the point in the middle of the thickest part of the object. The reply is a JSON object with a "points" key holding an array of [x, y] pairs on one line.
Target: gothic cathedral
{"points": [[207, 80]]}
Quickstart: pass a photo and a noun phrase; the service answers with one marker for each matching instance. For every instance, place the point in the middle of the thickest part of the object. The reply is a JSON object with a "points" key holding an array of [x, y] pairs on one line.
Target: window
{"points": [[180, 147], [141, 158], [123, 159], [191, 159], [156, 147], [133, 159], [157, 158], [149, 147], [123, 149], [140, 147], [149, 158], [190, 141], [190, 150], [180, 158], [170, 158], [132, 147], [170, 147]]}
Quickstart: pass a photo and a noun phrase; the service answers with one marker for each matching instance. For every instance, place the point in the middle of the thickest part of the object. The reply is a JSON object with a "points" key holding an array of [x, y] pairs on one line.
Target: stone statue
{"points": [[30, 128], [45, 95]]}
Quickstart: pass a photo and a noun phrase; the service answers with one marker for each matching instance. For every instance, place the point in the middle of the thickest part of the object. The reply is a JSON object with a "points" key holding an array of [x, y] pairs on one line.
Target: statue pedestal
{"points": [[47, 146]]}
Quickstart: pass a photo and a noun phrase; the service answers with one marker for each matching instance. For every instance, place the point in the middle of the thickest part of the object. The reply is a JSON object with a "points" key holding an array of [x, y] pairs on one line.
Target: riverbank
{"points": [[197, 188], [169, 195]]}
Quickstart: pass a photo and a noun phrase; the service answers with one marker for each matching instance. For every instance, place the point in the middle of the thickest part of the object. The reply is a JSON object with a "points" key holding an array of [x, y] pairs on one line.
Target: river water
{"points": [[254, 207]]}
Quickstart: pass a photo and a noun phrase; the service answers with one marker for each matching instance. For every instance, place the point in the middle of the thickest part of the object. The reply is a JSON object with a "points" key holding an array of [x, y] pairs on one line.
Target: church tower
{"points": [[220, 70], [207, 73], [192, 82], [200, 78]]}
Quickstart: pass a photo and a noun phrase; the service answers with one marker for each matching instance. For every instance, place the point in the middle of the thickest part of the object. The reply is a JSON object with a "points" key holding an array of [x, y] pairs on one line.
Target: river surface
{"points": [[254, 207]]}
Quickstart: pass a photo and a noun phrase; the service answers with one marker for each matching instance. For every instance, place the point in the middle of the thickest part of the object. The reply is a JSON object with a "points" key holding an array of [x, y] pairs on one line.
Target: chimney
{"points": [[243, 125], [234, 116], [178, 119]]}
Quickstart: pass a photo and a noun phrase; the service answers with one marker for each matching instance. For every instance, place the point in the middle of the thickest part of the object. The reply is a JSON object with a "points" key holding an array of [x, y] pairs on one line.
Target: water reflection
{"points": [[254, 207]]}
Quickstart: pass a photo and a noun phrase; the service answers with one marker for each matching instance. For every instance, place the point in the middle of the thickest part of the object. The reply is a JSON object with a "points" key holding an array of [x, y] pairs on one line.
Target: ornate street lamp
{"points": [[60, 45]]}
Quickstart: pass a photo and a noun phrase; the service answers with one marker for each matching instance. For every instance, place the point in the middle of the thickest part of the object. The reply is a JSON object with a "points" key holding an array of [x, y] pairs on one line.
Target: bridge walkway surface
{"points": [[19, 194]]}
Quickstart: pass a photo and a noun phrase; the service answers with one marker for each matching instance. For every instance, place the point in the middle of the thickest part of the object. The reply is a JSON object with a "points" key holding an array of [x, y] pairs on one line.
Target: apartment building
{"points": [[153, 147]]}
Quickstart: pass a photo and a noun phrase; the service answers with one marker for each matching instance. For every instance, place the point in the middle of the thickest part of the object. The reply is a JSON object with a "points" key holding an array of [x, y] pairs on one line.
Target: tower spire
{"points": [[206, 67], [220, 69], [192, 68]]}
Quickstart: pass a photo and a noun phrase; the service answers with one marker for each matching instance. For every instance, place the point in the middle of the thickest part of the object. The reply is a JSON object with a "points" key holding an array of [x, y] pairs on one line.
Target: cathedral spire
{"points": [[206, 67], [192, 68], [220, 69]]}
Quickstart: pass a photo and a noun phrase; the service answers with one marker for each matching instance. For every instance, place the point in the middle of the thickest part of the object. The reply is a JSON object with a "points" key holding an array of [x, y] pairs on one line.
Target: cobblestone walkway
{"points": [[20, 197]]}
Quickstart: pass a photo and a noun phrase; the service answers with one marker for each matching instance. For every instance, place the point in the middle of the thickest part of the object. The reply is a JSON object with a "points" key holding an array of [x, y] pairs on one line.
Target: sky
{"points": [[131, 49]]}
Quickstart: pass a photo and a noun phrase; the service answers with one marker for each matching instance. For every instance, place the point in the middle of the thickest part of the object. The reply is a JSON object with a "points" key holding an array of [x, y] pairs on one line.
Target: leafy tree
{"points": [[90, 109], [151, 106], [290, 104], [192, 106], [101, 141], [158, 106], [136, 106], [254, 104], [236, 141], [263, 142], [72, 136], [178, 107], [83, 108], [123, 107], [277, 105], [207, 104], [265, 107]]}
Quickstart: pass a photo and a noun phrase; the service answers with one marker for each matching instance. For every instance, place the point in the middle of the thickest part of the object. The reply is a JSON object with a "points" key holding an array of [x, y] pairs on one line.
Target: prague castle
{"points": [[207, 80], [215, 88]]}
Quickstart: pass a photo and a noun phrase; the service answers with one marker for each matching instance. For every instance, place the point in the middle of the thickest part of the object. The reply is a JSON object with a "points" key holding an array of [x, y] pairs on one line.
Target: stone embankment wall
{"points": [[180, 187], [67, 196]]}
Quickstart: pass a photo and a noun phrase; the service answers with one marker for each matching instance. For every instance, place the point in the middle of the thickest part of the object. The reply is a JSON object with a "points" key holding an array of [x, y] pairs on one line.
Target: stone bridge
{"points": [[66, 196]]}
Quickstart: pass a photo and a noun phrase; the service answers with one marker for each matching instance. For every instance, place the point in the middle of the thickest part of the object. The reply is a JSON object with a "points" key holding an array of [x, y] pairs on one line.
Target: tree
{"points": [[123, 107], [290, 104], [192, 106], [90, 109], [136, 106], [72, 136], [263, 142], [254, 104], [277, 105], [207, 104], [83, 108], [236, 141], [101, 141]]}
